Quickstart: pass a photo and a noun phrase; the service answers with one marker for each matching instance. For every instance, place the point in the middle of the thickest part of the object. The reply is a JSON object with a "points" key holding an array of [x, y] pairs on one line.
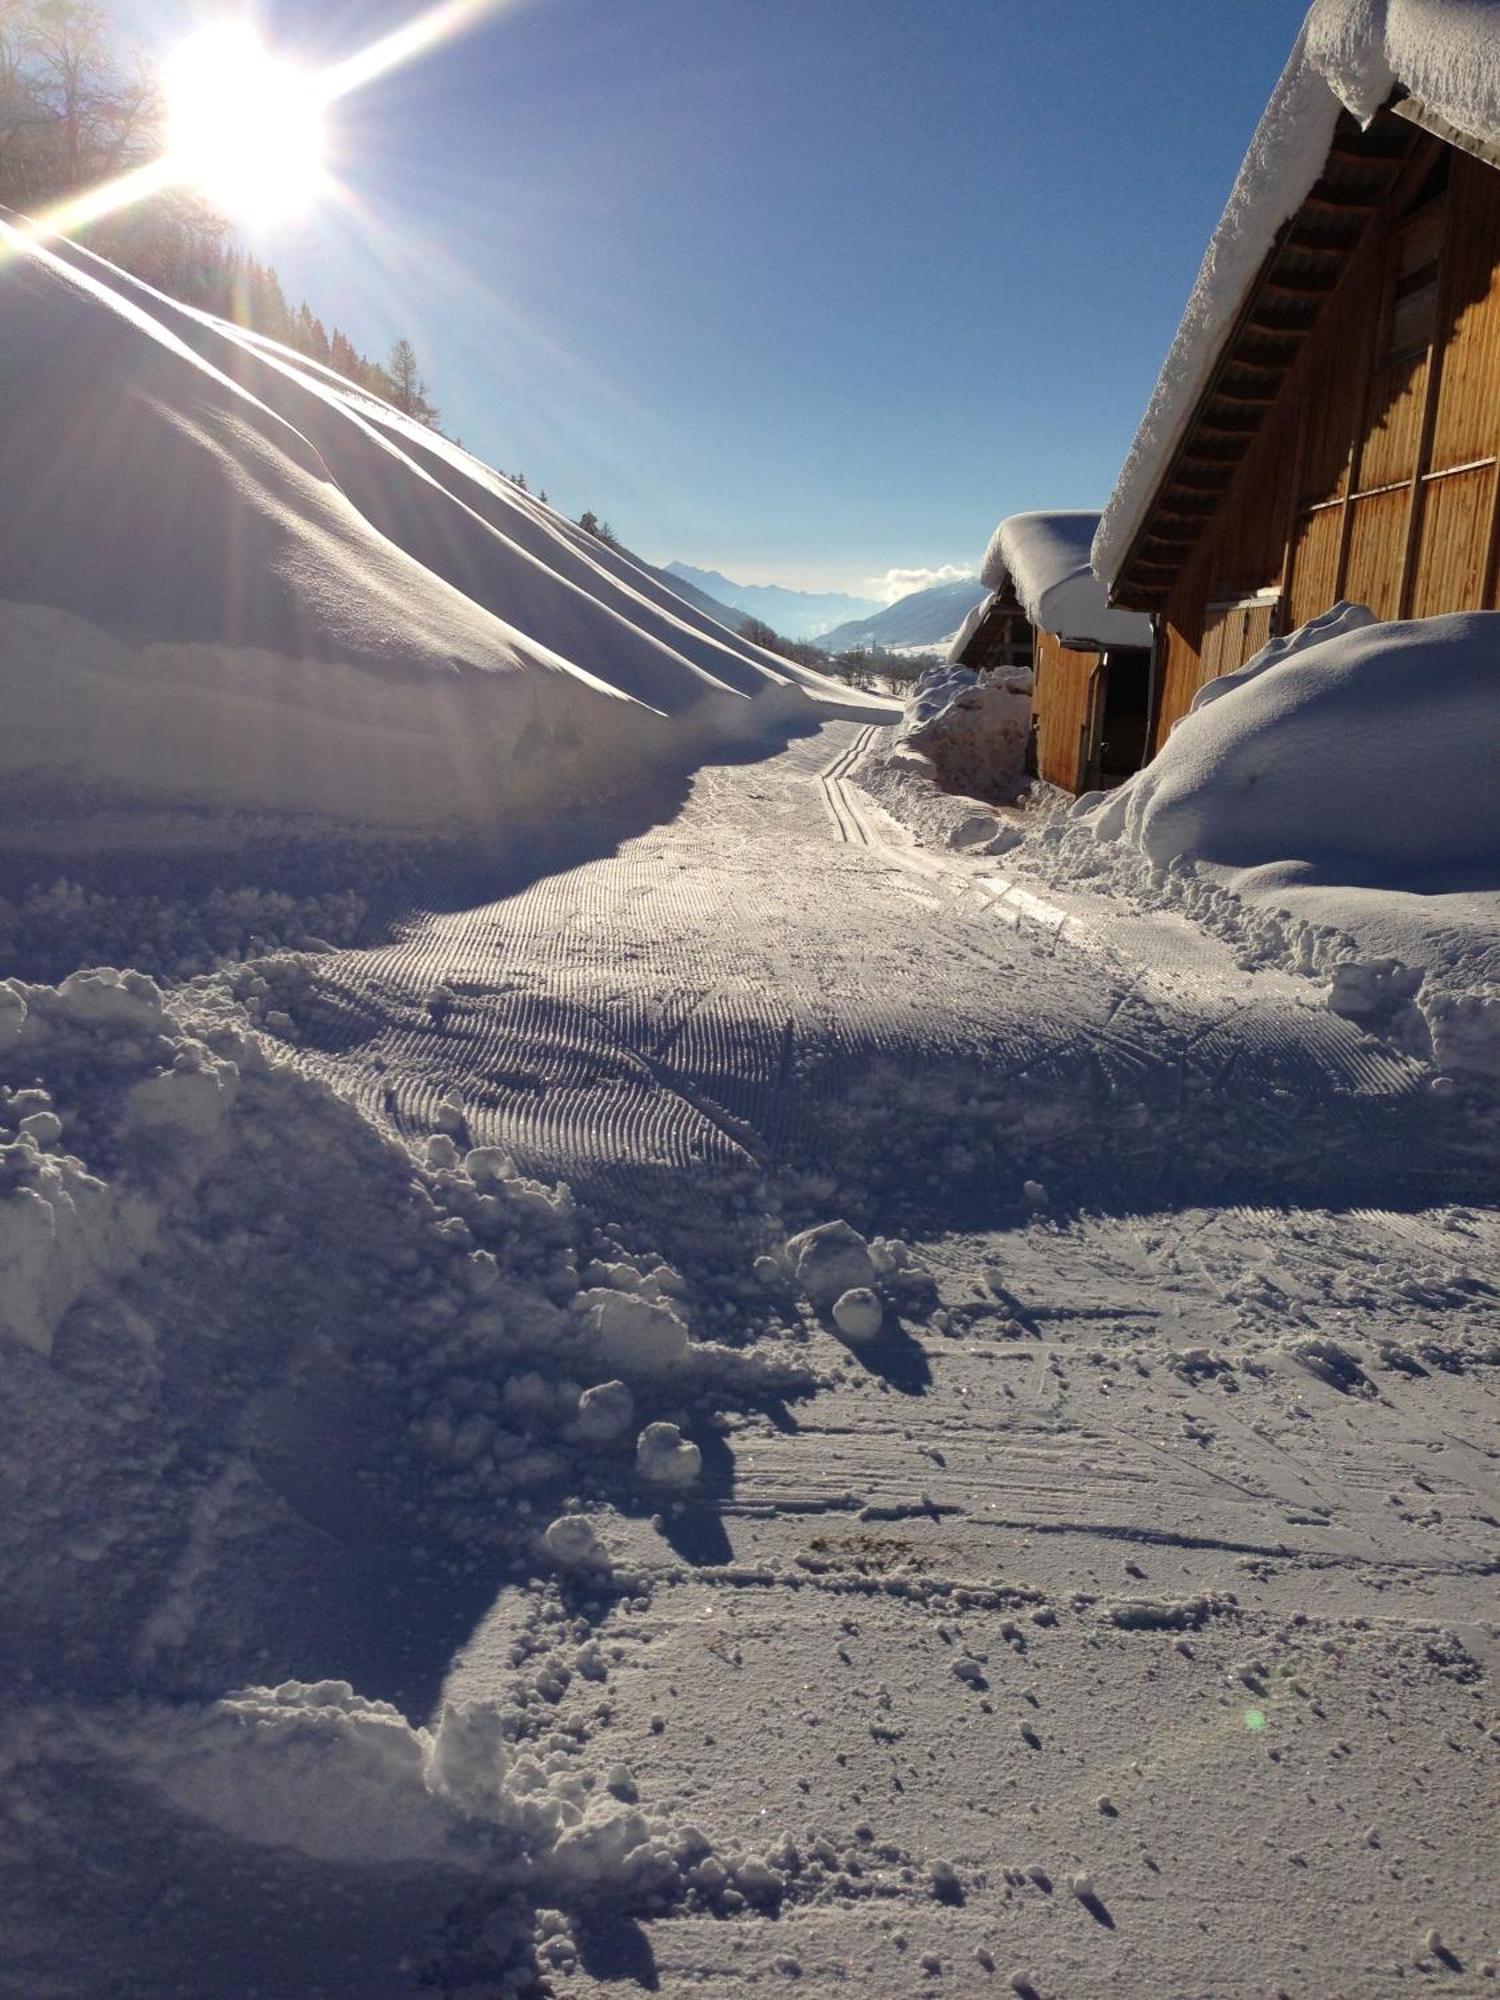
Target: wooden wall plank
{"points": [[1377, 546], [1315, 561], [1455, 528], [1468, 412]]}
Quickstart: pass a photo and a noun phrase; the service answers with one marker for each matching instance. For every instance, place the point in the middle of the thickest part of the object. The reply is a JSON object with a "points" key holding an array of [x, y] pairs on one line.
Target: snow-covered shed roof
{"points": [[1441, 58], [958, 644], [1046, 558]]}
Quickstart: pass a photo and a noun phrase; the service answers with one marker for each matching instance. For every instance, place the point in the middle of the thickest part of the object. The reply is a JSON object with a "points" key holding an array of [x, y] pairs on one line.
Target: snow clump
{"points": [[634, 1333], [858, 1314], [829, 1260], [605, 1413], [665, 1457]]}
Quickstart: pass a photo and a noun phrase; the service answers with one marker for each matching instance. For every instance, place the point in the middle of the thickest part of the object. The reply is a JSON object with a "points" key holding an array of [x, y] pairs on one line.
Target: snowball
{"points": [[757, 1880], [665, 1457], [640, 1336], [828, 1260], [858, 1314], [573, 1543], [605, 1412]]}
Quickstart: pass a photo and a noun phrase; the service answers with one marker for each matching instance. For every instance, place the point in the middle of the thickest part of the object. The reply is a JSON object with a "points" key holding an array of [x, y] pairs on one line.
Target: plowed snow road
{"points": [[1158, 1559], [775, 984]]}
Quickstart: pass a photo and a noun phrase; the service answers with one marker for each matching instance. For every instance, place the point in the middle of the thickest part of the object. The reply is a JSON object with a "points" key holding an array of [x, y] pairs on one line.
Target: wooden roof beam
{"points": [[1303, 286], [1260, 398]]}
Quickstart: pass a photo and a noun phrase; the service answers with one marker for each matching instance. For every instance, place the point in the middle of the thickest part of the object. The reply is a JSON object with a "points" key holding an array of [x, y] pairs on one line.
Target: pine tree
{"points": [[408, 390]]}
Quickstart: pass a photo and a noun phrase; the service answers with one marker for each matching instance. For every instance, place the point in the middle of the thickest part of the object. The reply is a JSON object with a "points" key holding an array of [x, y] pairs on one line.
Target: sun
{"points": [[244, 126]]}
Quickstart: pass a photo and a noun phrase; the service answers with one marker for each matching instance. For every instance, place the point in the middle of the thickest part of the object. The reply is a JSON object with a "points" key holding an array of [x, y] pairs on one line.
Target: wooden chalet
{"points": [[1340, 439], [1091, 664]]}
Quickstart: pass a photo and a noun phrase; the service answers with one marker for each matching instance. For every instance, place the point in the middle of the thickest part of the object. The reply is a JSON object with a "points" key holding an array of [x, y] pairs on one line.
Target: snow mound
{"points": [[1342, 785], [971, 732], [193, 1232], [1046, 557], [231, 584], [1350, 55], [1300, 764]]}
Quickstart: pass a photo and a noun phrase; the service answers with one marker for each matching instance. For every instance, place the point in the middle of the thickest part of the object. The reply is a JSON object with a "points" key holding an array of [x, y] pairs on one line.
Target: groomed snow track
{"points": [[775, 982]]}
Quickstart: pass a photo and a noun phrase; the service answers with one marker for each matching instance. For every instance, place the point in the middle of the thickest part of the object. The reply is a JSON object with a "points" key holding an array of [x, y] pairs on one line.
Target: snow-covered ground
{"points": [[232, 589], [697, 1393], [1113, 1606]]}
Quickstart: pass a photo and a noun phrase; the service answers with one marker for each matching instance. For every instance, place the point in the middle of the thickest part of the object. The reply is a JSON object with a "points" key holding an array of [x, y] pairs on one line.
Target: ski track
{"points": [[711, 1000], [740, 1013]]}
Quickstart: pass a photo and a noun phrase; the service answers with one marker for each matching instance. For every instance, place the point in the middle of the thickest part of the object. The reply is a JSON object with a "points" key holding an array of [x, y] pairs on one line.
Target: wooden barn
{"points": [[1327, 425], [1091, 664]]}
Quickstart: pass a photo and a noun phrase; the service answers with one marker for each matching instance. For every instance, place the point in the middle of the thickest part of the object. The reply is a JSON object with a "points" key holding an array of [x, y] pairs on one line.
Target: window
{"points": [[1412, 321]]}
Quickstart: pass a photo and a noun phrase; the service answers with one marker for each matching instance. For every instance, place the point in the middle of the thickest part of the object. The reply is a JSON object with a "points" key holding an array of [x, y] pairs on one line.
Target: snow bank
{"points": [[971, 733], [1046, 557], [1342, 783], [229, 584], [1350, 55], [187, 1223]]}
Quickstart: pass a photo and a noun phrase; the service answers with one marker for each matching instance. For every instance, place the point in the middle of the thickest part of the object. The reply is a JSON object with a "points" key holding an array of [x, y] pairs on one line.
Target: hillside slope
{"points": [[926, 617], [796, 614], [295, 600]]}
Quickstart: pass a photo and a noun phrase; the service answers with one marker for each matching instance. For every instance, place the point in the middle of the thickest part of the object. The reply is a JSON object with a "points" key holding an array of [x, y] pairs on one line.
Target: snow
{"points": [[664, 1457], [969, 733], [656, 1417], [1046, 557], [1340, 783], [858, 1313], [425, 649], [831, 1259], [958, 644], [1349, 56]]}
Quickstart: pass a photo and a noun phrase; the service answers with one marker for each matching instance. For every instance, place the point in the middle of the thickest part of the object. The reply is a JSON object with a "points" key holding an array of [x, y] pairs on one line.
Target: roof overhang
{"points": [[1281, 310]]}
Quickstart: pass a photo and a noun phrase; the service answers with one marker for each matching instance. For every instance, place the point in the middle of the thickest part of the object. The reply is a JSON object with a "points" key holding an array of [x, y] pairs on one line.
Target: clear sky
{"points": [[802, 290]]}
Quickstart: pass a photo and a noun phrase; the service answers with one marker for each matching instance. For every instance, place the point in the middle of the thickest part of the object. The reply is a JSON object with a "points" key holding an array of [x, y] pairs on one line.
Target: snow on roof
{"points": [[1350, 55], [1046, 557], [966, 631]]}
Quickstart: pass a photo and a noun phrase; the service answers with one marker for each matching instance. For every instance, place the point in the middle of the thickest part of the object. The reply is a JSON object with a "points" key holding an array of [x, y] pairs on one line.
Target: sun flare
{"points": [[245, 127]]}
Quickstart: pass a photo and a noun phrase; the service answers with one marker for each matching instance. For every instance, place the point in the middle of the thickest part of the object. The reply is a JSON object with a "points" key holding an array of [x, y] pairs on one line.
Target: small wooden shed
{"points": [[1327, 424], [1091, 664]]}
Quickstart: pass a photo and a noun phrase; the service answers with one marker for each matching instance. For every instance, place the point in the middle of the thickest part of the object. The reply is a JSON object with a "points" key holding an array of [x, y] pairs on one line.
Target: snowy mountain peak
{"points": [[796, 614]]}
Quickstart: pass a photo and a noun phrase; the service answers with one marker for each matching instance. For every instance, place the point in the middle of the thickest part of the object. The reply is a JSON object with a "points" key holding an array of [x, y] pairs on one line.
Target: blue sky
{"points": [[802, 290]]}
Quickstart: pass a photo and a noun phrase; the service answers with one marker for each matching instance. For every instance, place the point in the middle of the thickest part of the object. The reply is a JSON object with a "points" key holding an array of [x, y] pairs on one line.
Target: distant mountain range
{"points": [[922, 619], [795, 614]]}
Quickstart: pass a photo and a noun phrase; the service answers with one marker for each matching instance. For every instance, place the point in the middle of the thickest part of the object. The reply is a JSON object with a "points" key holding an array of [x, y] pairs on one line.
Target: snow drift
{"points": [[1351, 55], [228, 581], [1342, 780], [966, 733]]}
